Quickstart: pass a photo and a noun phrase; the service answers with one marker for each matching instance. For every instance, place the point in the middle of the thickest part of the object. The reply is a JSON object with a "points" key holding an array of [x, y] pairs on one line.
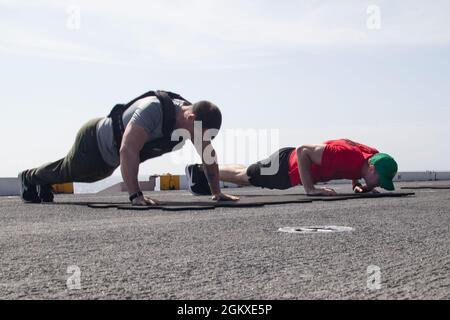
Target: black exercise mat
{"points": [[349, 196], [246, 201], [341, 196], [204, 203], [185, 205], [167, 207], [99, 205], [427, 187], [96, 205], [171, 206]]}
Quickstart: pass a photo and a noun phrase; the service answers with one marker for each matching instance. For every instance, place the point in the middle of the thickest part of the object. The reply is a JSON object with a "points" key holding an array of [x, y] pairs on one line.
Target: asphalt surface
{"points": [[228, 253]]}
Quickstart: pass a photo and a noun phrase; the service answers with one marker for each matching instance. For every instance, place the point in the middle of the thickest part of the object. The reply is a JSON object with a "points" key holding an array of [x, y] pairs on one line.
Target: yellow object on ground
{"points": [[169, 182], [63, 188]]}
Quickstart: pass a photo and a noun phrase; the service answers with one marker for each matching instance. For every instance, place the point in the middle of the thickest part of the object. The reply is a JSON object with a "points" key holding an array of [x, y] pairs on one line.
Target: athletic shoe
{"points": [[197, 181], [45, 193], [28, 191]]}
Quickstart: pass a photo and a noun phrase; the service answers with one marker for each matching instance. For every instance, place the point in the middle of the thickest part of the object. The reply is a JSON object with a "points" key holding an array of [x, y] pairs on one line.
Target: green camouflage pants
{"points": [[83, 163]]}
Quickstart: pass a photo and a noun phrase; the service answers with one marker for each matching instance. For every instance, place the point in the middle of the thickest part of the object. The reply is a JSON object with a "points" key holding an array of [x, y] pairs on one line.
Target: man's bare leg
{"points": [[234, 173]]}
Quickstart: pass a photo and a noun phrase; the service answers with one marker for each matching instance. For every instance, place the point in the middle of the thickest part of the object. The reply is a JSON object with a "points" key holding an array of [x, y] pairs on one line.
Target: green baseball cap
{"points": [[386, 168]]}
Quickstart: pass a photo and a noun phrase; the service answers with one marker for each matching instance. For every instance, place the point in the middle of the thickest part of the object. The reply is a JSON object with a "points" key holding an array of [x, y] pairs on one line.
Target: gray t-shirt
{"points": [[146, 112]]}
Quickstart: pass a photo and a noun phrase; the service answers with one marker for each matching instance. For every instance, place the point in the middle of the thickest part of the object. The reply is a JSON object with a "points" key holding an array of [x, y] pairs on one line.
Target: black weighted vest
{"points": [[158, 146]]}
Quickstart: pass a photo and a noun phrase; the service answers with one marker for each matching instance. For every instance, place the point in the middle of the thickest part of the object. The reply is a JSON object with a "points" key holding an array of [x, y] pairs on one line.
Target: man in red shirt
{"points": [[307, 165]]}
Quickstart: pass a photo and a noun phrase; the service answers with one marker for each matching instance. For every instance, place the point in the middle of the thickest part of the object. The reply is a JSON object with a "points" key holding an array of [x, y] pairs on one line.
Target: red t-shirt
{"points": [[341, 159]]}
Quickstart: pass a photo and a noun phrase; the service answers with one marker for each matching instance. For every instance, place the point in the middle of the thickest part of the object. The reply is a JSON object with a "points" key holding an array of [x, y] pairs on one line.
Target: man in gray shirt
{"points": [[145, 112], [95, 154]]}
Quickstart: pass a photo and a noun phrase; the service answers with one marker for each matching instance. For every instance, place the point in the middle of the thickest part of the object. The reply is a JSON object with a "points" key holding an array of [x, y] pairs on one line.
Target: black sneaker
{"points": [[197, 181], [28, 191], [45, 193]]}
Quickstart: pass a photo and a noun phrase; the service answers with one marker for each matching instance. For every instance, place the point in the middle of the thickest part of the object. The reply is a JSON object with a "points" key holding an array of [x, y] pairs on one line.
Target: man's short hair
{"points": [[208, 113]]}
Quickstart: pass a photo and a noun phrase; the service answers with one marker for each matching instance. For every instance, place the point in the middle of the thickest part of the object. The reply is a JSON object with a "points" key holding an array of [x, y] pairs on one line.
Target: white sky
{"points": [[312, 69]]}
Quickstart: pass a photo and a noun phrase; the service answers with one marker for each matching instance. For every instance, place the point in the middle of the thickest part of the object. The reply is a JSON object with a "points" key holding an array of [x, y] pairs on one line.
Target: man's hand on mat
{"points": [[322, 192], [144, 201], [359, 189], [363, 189], [224, 197]]}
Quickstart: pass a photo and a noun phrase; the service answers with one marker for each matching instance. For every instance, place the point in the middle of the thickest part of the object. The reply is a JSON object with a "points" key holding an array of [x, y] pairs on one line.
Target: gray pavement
{"points": [[228, 253]]}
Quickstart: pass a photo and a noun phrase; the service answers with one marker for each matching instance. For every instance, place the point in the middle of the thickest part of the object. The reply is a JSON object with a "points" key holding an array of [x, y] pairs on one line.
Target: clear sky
{"points": [[374, 71]]}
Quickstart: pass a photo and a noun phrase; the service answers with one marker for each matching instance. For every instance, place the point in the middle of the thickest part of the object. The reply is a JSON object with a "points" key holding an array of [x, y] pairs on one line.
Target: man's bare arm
{"points": [[307, 155], [212, 174], [210, 164], [209, 160], [133, 141]]}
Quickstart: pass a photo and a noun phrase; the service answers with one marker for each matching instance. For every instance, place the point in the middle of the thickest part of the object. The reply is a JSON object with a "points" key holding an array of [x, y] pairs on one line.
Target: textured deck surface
{"points": [[228, 253]]}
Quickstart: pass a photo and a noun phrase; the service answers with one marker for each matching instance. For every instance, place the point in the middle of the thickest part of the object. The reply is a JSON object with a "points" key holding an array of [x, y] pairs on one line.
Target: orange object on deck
{"points": [[63, 188]]}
